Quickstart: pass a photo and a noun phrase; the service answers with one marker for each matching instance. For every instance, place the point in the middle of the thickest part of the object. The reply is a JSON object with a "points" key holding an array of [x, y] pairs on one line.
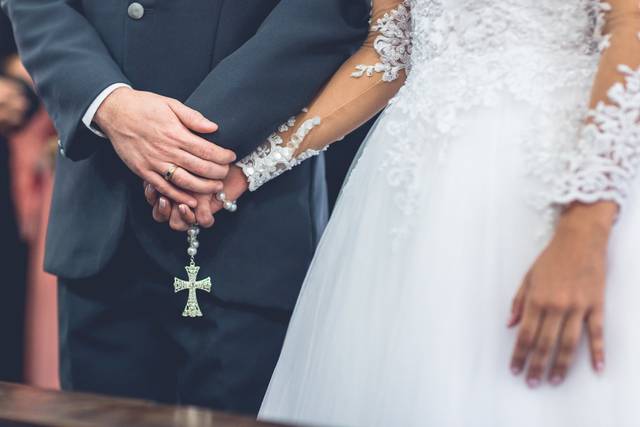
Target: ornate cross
{"points": [[192, 309]]}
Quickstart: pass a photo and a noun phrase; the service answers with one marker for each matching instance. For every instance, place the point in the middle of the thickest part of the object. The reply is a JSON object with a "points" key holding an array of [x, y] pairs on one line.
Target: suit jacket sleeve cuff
{"points": [[87, 119]]}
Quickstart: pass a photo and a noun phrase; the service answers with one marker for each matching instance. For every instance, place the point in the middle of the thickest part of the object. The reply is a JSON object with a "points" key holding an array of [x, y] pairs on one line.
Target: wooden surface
{"points": [[26, 406]]}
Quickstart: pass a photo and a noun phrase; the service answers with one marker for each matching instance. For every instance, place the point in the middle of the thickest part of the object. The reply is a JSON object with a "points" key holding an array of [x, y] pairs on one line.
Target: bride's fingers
{"points": [[176, 222], [204, 216], [162, 210], [546, 342], [570, 336], [187, 214], [527, 335], [596, 338], [150, 194], [517, 307]]}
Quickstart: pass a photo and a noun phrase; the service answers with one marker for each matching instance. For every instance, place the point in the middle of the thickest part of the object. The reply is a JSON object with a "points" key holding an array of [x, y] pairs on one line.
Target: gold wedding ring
{"points": [[168, 175]]}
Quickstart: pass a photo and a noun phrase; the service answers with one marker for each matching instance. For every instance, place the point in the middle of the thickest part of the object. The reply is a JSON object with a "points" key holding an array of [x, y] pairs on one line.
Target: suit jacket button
{"points": [[135, 11]]}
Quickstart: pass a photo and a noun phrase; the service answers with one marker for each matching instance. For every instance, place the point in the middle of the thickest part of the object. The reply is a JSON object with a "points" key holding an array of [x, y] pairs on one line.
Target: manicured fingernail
{"points": [[515, 370], [192, 204], [533, 382], [556, 379], [163, 202], [183, 209], [600, 366]]}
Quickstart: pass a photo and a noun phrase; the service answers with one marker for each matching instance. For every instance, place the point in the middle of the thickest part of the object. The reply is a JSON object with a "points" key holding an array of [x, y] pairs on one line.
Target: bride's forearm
{"points": [[595, 220], [606, 160], [360, 88]]}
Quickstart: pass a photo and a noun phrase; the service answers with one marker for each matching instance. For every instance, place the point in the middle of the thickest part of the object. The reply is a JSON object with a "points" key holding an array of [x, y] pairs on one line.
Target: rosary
{"points": [[192, 284]]}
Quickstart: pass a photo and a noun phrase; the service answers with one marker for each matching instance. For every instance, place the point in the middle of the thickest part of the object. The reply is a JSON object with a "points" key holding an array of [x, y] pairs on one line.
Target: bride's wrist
{"points": [[595, 220]]}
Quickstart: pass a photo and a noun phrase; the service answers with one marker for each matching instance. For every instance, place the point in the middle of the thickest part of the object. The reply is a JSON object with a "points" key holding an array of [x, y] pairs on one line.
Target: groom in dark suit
{"points": [[134, 89]]}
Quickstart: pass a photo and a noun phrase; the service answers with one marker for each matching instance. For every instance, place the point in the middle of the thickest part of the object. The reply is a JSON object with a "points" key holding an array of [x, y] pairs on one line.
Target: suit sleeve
{"points": [[298, 47], [68, 62]]}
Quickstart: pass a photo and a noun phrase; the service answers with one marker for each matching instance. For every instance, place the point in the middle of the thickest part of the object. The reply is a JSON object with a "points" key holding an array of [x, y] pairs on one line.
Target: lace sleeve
{"points": [[361, 88], [608, 153]]}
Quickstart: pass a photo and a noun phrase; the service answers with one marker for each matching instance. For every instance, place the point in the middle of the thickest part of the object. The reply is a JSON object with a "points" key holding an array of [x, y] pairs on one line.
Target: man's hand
{"points": [[180, 216], [13, 105], [152, 133]]}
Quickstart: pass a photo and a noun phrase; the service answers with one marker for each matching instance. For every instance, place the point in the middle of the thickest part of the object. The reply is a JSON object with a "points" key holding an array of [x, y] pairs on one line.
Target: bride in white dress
{"points": [[494, 177]]}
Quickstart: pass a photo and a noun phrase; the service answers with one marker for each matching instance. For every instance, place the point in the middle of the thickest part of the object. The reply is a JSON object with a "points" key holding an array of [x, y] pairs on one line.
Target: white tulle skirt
{"points": [[402, 317]]}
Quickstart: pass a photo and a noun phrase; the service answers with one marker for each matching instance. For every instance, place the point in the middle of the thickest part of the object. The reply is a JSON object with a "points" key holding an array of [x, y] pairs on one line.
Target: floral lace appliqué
{"points": [[477, 54], [274, 157], [608, 153], [393, 45]]}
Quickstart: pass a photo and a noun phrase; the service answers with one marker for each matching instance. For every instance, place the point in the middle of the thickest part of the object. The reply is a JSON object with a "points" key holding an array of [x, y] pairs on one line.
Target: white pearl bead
{"points": [[233, 207], [221, 196], [227, 204], [195, 244], [192, 251], [191, 232]]}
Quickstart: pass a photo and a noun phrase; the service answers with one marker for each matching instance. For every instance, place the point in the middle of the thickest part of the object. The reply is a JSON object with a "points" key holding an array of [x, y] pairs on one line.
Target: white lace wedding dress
{"points": [[402, 317]]}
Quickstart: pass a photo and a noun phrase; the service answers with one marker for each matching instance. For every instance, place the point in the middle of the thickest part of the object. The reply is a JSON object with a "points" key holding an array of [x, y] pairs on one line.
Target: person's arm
{"points": [[151, 134], [276, 72], [564, 291], [68, 61], [608, 152], [360, 89], [356, 92]]}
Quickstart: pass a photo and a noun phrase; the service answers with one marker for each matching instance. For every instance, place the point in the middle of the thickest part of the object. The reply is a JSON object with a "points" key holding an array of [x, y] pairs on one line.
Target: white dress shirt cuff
{"points": [[87, 119]]}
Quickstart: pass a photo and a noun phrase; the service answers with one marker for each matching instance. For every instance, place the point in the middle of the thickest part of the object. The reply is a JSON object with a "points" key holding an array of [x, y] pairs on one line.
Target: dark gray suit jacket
{"points": [[247, 65]]}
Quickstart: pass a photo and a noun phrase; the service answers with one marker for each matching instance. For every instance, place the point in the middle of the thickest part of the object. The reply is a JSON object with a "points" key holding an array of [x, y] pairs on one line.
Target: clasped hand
{"points": [[153, 134], [181, 216]]}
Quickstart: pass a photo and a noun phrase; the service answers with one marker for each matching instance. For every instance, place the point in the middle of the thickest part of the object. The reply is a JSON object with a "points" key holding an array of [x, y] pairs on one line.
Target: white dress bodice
{"points": [[476, 54], [527, 47]]}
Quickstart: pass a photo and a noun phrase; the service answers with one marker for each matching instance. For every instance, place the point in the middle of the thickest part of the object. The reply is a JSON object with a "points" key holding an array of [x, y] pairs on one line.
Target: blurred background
{"points": [[28, 319]]}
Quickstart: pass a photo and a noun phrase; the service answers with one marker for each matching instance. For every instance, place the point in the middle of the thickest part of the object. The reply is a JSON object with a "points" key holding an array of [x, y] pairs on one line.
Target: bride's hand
{"points": [[563, 291], [179, 216], [235, 185]]}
